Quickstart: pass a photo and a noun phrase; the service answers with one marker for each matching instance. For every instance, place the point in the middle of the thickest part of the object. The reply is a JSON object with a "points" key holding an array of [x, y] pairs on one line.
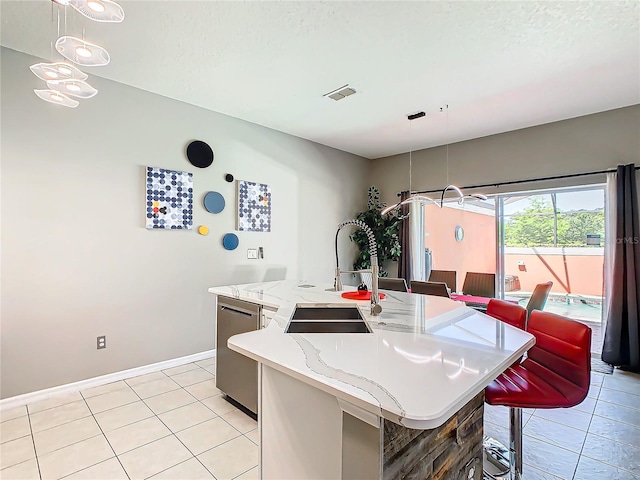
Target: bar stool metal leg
{"points": [[515, 442]]}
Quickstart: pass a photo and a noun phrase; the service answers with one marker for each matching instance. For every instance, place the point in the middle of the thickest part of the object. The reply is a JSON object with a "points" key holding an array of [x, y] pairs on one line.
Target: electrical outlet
{"points": [[102, 342], [252, 253]]}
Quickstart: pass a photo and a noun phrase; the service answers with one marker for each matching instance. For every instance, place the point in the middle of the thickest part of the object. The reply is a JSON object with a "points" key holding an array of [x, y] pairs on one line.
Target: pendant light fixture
{"points": [[419, 198], [75, 88], [57, 71], [413, 198], [65, 79], [97, 10], [82, 52], [56, 98]]}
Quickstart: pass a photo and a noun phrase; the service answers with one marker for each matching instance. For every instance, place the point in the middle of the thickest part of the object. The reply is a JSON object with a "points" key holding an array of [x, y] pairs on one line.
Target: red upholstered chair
{"points": [[507, 312], [555, 374]]}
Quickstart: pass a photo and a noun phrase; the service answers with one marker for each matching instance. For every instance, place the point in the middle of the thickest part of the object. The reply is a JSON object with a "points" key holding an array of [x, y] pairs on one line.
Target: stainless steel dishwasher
{"points": [[236, 375]]}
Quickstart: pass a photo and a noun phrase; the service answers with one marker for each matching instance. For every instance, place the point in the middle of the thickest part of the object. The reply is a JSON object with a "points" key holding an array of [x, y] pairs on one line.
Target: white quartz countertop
{"points": [[426, 358]]}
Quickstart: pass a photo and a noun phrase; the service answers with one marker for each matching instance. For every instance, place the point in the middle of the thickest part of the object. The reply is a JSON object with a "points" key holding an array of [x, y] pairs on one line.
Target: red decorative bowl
{"points": [[358, 296]]}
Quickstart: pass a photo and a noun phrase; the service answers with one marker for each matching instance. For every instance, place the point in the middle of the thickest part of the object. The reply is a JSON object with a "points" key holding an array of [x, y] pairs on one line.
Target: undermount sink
{"points": [[327, 319]]}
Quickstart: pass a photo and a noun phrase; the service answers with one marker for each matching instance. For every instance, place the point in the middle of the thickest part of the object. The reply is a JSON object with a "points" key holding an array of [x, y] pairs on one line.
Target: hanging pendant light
{"points": [[57, 71], [82, 52], [413, 198], [99, 10], [420, 198], [56, 98], [75, 88]]}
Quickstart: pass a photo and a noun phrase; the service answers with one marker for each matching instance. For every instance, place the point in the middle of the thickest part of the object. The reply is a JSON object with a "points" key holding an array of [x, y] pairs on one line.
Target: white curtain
{"points": [[610, 241]]}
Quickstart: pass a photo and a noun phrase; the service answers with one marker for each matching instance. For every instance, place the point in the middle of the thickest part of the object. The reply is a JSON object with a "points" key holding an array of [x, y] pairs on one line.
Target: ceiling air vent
{"points": [[340, 93]]}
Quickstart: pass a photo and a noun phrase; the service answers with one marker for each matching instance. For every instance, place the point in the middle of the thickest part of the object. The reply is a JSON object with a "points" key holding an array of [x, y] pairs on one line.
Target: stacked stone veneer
{"points": [[448, 452]]}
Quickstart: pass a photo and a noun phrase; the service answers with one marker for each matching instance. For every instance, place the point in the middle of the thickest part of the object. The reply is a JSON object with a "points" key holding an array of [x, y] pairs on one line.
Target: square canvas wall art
{"points": [[254, 207], [169, 199]]}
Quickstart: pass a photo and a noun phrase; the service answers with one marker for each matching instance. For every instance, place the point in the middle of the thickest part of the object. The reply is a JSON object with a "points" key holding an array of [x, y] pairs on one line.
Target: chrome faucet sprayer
{"points": [[376, 308]]}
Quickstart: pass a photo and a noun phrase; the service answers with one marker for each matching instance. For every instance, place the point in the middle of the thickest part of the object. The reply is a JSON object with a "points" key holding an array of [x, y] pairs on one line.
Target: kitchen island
{"points": [[405, 401]]}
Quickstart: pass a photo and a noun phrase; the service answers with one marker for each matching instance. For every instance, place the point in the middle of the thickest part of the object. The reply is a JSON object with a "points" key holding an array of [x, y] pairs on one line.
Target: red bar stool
{"points": [[507, 312], [555, 374]]}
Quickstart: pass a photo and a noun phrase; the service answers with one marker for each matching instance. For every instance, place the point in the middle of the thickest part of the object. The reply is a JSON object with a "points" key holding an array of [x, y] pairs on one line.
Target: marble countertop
{"points": [[426, 358]]}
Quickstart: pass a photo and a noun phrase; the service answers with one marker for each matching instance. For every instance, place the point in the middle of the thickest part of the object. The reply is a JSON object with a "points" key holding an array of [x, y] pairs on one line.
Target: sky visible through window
{"points": [[589, 200]]}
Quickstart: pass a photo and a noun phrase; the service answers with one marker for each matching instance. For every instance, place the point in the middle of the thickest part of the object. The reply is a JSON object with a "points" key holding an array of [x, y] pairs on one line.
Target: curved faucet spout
{"points": [[373, 248]]}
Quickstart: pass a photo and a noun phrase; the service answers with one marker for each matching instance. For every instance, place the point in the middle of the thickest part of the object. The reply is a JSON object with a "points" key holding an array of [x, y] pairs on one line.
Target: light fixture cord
{"points": [[447, 134], [410, 159]]}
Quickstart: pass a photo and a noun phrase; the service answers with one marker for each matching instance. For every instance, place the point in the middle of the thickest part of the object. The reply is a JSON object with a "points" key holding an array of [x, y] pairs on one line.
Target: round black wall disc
{"points": [[228, 177], [199, 154]]}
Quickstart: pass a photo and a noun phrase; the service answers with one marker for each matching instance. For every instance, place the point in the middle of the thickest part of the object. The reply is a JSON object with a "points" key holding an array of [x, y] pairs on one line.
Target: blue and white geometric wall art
{"points": [[254, 207], [169, 199]]}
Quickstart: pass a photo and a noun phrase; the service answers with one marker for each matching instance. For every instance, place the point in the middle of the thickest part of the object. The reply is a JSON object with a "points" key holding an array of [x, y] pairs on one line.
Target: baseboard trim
{"points": [[38, 395]]}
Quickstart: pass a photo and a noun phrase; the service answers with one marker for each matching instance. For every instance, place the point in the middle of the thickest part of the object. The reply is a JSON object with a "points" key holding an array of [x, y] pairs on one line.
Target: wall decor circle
{"points": [[230, 241], [199, 154], [203, 230], [214, 202], [459, 233], [228, 177]]}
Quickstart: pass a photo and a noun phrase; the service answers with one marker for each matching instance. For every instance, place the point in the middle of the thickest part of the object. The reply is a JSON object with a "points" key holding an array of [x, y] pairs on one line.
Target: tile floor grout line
{"points": [[575, 470], [617, 467], [74, 443], [556, 447], [33, 441], [178, 438], [620, 404], [64, 423], [168, 468], [50, 408], [188, 450], [248, 470], [105, 435], [623, 444], [617, 420]]}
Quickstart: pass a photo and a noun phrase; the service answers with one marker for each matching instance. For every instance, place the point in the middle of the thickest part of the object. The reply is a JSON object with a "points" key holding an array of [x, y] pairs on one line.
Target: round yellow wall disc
{"points": [[203, 230]]}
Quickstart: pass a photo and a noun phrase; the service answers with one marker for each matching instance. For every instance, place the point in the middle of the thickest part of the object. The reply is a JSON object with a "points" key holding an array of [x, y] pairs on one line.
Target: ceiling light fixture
{"points": [[82, 52], [419, 198], [75, 88], [57, 98], [58, 71], [99, 10], [64, 79]]}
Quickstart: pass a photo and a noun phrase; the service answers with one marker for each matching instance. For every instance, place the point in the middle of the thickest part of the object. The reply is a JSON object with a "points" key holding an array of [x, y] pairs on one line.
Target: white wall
{"points": [[584, 144], [77, 261]]}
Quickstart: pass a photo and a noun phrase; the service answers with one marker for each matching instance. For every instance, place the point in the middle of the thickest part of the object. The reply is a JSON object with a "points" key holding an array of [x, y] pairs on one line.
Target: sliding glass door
{"points": [[557, 236], [523, 239]]}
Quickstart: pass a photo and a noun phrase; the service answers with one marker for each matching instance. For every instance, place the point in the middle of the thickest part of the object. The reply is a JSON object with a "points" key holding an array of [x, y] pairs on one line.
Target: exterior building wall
{"points": [[575, 270]]}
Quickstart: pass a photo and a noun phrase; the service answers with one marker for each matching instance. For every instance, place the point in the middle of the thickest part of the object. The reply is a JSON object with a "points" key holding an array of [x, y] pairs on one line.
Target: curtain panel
{"points": [[622, 335], [404, 262]]}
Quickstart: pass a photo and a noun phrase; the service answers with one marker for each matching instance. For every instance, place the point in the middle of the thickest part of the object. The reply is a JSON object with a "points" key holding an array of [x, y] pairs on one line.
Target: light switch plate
{"points": [[252, 253]]}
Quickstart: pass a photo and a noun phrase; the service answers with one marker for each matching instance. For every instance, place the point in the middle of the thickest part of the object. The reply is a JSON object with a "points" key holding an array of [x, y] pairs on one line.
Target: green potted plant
{"points": [[385, 228]]}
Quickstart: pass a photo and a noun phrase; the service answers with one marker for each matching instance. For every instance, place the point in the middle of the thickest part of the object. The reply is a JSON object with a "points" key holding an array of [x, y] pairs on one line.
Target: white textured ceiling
{"points": [[499, 66]]}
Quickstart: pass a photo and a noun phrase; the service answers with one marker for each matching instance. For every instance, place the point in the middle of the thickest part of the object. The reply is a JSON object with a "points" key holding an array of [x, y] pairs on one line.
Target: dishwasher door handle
{"points": [[237, 311]]}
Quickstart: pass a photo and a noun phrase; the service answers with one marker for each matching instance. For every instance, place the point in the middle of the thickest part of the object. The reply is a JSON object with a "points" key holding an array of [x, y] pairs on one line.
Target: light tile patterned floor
{"points": [[174, 425], [596, 440]]}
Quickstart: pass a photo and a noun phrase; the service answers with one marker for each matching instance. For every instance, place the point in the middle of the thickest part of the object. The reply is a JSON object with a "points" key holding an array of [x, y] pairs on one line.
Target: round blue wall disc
{"points": [[230, 241], [214, 202]]}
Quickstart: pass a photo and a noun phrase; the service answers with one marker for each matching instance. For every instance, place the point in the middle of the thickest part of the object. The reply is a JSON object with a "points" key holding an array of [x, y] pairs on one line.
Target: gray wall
{"points": [[583, 144], [77, 261]]}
